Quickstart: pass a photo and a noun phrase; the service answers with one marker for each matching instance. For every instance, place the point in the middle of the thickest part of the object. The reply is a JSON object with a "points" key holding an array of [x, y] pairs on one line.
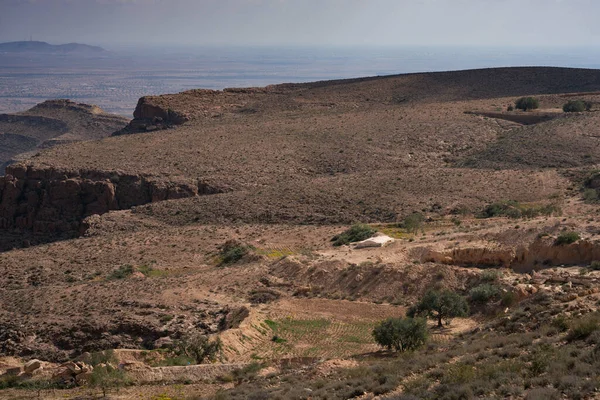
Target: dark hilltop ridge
{"points": [[47, 48]]}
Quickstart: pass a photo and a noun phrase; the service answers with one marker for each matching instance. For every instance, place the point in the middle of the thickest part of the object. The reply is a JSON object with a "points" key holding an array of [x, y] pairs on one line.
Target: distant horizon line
{"points": [[108, 45]]}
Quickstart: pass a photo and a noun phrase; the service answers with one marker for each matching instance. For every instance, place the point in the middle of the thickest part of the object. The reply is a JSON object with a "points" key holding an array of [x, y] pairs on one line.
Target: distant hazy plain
{"points": [[116, 80]]}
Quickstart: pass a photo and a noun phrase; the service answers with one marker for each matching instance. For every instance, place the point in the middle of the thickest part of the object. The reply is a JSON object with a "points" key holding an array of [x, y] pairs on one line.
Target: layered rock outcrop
{"points": [[541, 253], [48, 201]]}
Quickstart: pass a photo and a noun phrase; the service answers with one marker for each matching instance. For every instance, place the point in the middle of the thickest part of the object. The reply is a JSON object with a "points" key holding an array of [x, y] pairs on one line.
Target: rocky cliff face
{"points": [[47, 201], [542, 253], [166, 111], [149, 117]]}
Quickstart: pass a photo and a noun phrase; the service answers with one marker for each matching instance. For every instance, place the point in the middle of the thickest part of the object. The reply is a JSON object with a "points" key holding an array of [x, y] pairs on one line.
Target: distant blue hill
{"points": [[47, 48]]}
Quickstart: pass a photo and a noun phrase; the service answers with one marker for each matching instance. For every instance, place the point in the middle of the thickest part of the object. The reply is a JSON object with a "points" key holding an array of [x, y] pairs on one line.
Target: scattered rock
{"points": [[137, 275], [69, 372], [32, 365], [163, 343]]}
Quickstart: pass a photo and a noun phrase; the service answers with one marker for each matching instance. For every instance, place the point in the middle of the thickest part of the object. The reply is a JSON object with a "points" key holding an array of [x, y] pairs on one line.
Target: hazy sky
{"points": [[303, 22]]}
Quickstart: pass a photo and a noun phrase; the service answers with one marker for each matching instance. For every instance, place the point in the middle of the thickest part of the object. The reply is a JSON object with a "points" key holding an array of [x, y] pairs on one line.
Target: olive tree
{"points": [[577, 106], [199, 348], [441, 306], [527, 103], [401, 334]]}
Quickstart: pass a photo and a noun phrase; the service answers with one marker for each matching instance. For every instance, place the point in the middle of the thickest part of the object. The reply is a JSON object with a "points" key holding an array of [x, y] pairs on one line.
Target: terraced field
{"points": [[318, 329]]}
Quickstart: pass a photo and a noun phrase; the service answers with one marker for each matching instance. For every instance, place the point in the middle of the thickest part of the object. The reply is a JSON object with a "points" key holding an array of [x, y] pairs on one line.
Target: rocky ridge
{"points": [[55, 202]]}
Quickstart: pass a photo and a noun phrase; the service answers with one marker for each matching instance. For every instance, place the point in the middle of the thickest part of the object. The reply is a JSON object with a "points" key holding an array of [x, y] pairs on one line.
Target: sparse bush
{"points": [[105, 377], [401, 334], [561, 323], [595, 266], [199, 348], [527, 103], [535, 210], [176, 361], [591, 196], [413, 223], [593, 180], [502, 209], [483, 293], [122, 272], [441, 306], [232, 252], [575, 106], [510, 108], [8, 381], [584, 327], [567, 238], [103, 357], [263, 296], [543, 394], [150, 272], [356, 233], [490, 275], [277, 339], [249, 373], [509, 299], [514, 209], [458, 374]]}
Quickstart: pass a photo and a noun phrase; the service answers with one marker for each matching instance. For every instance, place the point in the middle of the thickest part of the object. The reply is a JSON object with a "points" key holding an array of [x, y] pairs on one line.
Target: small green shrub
{"points": [[502, 209], [567, 238], [509, 299], [249, 373], [122, 272], [150, 272], [232, 252], [593, 180], [561, 323], [271, 324], [543, 394], [584, 327], [591, 196], [401, 334], [277, 339], [575, 106], [595, 266], [107, 377], [458, 374], [16, 382], [483, 294], [510, 108], [514, 209], [527, 103], [103, 357], [490, 275], [356, 233], [413, 223]]}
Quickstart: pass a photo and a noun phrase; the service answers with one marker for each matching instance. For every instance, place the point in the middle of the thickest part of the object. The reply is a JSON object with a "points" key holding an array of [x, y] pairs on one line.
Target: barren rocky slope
{"points": [[329, 152], [144, 216]]}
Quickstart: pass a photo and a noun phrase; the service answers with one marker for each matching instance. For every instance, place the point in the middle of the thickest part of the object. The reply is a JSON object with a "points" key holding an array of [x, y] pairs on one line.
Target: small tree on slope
{"points": [[441, 306], [401, 334]]}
